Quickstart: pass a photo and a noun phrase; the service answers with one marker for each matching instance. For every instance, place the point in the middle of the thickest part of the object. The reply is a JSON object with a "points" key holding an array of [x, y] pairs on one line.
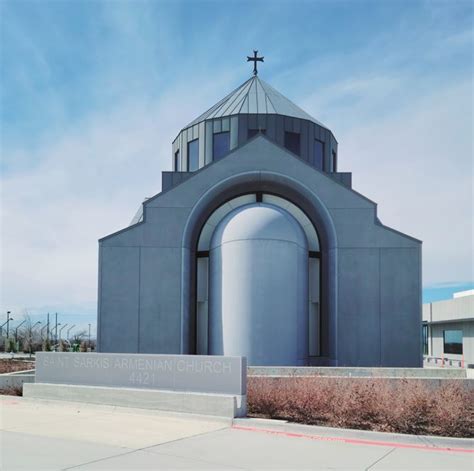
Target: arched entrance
{"points": [[258, 282], [323, 259]]}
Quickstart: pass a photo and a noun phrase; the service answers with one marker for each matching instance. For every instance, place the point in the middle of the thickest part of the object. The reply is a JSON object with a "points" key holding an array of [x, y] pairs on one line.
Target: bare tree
{"points": [[28, 335], [78, 337], [77, 340]]}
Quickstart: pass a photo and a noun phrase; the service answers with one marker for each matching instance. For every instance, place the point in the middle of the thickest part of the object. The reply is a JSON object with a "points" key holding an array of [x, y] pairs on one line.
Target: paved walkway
{"points": [[60, 436]]}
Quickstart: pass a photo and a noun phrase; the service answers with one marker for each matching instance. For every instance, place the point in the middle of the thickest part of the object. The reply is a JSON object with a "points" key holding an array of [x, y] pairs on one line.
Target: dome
{"points": [[255, 96], [259, 221], [251, 109]]}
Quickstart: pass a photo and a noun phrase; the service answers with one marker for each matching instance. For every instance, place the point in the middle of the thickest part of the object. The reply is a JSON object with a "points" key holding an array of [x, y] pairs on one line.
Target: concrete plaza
{"points": [[38, 434]]}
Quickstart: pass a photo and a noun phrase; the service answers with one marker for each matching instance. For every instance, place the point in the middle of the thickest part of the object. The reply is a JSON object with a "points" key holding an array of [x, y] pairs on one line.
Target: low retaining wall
{"points": [[421, 373], [432, 383], [16, 379], [218, 405], [212, 385]]}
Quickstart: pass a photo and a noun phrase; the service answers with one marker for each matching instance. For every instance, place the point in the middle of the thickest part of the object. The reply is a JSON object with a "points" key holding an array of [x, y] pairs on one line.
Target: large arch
{"points": [[295, 192]]}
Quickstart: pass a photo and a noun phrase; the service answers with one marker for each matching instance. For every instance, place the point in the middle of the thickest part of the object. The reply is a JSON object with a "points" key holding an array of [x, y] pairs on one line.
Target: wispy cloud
{"points": [[417, 164], [93, 99]]}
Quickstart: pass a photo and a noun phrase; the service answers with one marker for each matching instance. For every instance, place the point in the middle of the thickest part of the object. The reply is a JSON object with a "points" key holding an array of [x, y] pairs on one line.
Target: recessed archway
{"points": [[280, 186], [308, 322]]}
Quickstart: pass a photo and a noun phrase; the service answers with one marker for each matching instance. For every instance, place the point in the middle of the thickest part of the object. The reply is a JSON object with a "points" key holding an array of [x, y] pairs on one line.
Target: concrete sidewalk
{"points": [[48, 435]]}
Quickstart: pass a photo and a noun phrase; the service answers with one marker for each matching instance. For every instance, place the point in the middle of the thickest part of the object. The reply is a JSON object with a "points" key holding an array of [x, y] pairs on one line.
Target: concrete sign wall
{"points": [[191, 373]]}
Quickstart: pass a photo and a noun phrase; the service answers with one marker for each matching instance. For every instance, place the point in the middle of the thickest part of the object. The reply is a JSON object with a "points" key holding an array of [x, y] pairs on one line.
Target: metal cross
{"points": [[255, 59]]}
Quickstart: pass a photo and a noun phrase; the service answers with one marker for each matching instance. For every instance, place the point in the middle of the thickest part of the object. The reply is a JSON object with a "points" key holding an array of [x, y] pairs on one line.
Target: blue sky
{"points": [[94, 92]]}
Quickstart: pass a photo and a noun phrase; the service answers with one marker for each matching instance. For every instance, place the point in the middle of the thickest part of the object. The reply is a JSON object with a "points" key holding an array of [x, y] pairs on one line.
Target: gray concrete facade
{"points": [[364, 293], [370, 274]]}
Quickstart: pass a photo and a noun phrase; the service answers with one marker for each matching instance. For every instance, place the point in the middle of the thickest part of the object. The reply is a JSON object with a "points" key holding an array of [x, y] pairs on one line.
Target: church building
{"points": [[258, 246]]}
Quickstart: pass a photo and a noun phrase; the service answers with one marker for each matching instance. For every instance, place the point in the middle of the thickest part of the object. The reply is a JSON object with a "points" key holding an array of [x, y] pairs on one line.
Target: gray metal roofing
{"points": [[255, 97]]}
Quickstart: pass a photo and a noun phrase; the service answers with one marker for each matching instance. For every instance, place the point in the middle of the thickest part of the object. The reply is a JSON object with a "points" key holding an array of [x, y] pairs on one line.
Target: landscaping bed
{"points": [[11, 391], [10, 366], [404, 406]]}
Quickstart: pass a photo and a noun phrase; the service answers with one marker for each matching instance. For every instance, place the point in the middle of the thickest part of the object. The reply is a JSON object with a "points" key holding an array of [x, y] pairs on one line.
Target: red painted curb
{"points": [[354, 441]]}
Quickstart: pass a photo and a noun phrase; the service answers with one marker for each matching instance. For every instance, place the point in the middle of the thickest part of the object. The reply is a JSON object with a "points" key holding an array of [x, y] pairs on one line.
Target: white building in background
{"points": [[448, 330]]}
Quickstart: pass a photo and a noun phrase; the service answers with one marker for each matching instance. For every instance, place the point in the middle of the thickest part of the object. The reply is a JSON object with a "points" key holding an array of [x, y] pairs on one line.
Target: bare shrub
{"points": [[403, 406], [453, 410], [12, 391], [9, 366]]}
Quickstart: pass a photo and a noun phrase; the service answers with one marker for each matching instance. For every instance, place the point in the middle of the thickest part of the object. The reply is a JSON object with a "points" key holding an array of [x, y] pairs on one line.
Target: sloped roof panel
{"points": [[255, 97]]}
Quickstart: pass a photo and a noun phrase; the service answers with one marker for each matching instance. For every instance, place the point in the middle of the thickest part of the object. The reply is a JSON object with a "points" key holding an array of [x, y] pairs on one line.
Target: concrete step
{"points": [[217, 405]]}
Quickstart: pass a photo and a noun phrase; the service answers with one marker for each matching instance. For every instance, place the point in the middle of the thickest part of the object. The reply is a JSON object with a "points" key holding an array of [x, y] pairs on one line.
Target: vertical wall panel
{"points": [[209, 132], [243, 128], [174, 148], [280, 130], [202, 144], [304, 140], [296, 125], [225, 124], [400, 302], [334, 147], [317, 132], [183, 153], [314, 324], [262, 121], [217, 125], [271, 127], [252, 121], [160, 320], [311, 143], [358, 314], [327, 149], [234, 132], [119, 299], [202, 305]]}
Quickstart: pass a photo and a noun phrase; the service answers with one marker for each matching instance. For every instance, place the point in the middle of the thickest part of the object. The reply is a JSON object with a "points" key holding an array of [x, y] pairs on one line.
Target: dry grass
{"points": [[404, 406]]}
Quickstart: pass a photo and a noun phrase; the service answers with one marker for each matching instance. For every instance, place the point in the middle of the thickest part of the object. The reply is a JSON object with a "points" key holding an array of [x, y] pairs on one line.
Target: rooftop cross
{"points": [[255, 59]]}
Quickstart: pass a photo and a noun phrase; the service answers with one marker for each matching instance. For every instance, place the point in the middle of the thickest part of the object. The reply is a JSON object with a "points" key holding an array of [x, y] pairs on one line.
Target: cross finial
{"points": [[255, 59]]}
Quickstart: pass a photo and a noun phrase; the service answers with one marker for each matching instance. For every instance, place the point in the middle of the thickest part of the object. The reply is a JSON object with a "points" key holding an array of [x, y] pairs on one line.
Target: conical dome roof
{"points": [[255, 97]]}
